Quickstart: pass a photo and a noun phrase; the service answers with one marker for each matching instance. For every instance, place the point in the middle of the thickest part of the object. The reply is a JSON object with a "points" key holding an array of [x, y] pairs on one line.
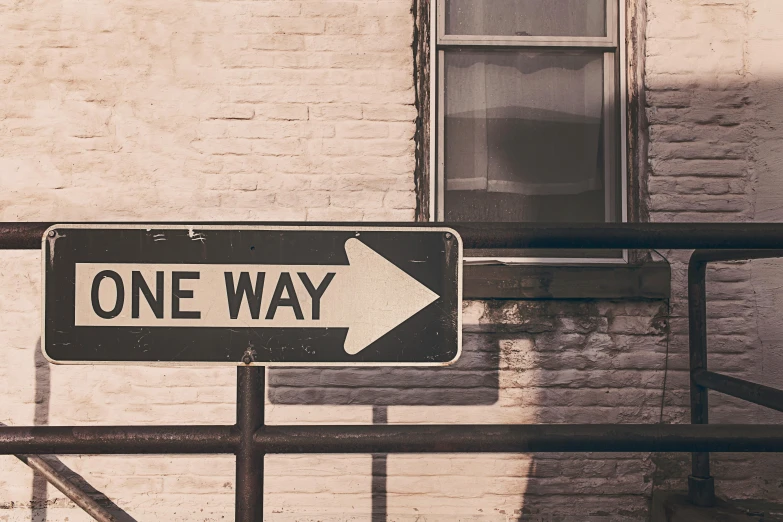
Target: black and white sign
{"points": [[298, 295]]}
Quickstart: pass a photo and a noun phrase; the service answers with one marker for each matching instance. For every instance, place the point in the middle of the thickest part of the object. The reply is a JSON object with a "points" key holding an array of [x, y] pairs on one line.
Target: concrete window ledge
{"points": [[649, 280]]}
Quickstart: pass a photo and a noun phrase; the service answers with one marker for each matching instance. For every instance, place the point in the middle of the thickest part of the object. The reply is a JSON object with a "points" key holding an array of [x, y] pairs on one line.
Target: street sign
{"points": [[268, 295]]}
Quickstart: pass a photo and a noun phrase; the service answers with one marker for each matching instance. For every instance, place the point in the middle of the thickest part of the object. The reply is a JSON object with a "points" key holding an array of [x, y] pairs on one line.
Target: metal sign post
{"points": [[251, 296], [249, 505]]}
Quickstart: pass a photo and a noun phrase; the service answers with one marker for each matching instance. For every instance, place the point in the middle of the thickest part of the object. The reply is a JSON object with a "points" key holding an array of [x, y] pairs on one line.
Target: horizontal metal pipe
{"points": [[708, 256], [21, 236], [116, 439], [622, 235], [519, 235], [519, 438], [395, 439], [740, 388]]}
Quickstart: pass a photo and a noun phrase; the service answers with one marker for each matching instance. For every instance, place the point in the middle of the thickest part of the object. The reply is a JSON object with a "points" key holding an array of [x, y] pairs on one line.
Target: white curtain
{"points": [[520, 121]]}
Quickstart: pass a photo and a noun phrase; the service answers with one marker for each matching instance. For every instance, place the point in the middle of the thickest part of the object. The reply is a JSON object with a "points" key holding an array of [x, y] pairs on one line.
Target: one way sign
{"points": [[285, 295]]}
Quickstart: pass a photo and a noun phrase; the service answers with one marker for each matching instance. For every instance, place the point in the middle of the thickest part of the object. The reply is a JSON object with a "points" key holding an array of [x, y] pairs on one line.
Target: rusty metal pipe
{"points": [[733, 236], [701, 485], [522, 438], [249, 504], [481, 438], [701, 488], [117, 439]]}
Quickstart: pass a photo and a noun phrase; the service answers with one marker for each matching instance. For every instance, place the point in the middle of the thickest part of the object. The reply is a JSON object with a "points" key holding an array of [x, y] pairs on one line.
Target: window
{"points": [[529, 115]]}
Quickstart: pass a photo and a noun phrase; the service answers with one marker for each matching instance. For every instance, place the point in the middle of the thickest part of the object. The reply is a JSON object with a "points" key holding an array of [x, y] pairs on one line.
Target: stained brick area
{"points": [[550, 362]]}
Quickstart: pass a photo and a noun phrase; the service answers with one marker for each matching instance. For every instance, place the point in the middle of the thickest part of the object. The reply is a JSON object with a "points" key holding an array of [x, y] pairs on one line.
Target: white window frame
{"points": [[613, 43]]}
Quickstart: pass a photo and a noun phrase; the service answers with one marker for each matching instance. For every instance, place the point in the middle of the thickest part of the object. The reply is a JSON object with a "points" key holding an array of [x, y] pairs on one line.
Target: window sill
{"points": [[649, 280]]}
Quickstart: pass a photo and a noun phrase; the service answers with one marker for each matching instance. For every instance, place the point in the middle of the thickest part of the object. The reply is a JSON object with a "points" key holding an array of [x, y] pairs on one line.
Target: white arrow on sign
{"points": [[371, 296], [376, 296]]}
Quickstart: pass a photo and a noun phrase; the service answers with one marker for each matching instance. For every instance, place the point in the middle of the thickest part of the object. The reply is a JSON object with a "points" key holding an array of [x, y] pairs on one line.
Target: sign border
{"points": [[276, 227]]}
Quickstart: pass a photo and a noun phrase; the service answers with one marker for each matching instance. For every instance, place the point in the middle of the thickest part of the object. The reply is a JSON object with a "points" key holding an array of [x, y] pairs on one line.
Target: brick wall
{"points": [[523, 362], [207, 109], [713, 92], [292, 110], [202, 110]]}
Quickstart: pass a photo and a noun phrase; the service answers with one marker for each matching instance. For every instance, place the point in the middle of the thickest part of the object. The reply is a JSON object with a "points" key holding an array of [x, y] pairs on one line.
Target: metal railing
{"points": [[250, 439], [701, 485]]}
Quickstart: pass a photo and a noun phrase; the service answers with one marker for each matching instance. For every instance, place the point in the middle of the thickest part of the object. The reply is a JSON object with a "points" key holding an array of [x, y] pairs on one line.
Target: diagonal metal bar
{"points": [[750, 391], [68, 488]]}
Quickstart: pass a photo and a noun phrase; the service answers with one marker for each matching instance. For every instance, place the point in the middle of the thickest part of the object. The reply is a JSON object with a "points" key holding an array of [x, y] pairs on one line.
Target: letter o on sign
{"points": [[96, 287]]}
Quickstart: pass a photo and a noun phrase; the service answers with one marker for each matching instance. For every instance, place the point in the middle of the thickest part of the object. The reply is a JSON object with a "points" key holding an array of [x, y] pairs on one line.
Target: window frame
{"points": [[615, 109]]}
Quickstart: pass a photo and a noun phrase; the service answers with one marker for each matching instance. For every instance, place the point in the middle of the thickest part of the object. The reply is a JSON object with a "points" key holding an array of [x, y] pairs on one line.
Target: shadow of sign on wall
{"points": [[471, 381]]}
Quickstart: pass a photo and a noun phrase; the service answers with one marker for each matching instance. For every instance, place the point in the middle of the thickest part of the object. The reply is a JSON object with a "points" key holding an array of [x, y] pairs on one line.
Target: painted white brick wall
{"points": [[190, 110], [207, 110], [293, 110]]}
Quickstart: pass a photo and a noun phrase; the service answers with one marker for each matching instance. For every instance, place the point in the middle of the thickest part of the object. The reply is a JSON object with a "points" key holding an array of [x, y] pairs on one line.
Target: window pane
{"points": [[523, 137], [526, 17]]}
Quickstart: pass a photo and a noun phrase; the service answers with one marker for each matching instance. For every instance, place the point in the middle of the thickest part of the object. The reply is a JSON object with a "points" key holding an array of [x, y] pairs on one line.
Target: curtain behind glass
{"points": [[524, 123]]}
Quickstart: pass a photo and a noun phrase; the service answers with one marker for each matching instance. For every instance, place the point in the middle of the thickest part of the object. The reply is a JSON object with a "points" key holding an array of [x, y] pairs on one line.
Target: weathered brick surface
{"points": [[523, 362], [197, 110], [293, 110], [714, 111], [210, 110]]}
